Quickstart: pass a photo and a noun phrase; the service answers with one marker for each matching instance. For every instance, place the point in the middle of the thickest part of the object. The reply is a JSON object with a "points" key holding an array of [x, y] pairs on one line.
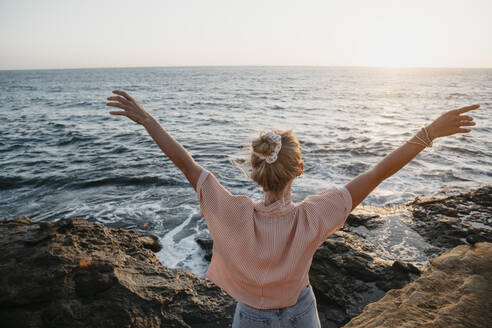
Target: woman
{"points": [[263, 251]]}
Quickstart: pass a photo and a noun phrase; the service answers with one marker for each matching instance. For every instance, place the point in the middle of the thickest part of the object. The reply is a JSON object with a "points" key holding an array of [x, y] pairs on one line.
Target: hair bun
{"points": [[273, 168], [264, 145]]}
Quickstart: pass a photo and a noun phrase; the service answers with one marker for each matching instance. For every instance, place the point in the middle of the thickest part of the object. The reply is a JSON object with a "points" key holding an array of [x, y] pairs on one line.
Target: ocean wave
{"points": [[353, 169], [13, 88], [366, 151], [136, 181], [9, 182], [455, 95], [76, 104], [204, 103], [120, 149], [464, 150], [72, 137], [13, 147], [70, 182], [14, 182], [57, 124], [64, 104]]}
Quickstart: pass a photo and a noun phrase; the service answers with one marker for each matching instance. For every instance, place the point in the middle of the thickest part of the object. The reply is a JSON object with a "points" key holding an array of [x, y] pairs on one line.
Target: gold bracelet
{"points": [[416, 143], [428, 137], [425, 142]]}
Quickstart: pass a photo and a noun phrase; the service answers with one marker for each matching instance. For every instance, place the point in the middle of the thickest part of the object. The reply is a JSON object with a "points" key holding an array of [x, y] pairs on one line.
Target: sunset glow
{"points": [[62, 34]]}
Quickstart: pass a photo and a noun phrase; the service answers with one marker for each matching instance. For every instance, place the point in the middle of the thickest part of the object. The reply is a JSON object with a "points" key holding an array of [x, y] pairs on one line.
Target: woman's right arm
{"points": [[172, 148], [447, 124]]}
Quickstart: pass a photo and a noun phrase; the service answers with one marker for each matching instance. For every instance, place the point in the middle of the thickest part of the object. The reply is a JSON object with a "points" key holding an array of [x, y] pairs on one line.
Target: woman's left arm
{"points": [[173, 149]]}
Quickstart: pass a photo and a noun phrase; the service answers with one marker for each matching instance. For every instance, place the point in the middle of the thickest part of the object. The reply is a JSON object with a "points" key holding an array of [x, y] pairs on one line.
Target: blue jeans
{"points": [[302, 314]]}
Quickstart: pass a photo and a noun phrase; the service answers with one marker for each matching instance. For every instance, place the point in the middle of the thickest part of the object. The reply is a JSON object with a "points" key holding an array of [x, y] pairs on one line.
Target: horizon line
{"points": [[245, 65]]}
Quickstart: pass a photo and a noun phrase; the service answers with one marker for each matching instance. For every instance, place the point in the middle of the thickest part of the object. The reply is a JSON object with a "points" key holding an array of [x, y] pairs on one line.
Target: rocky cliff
{"points": [[73, 273], [455, 291]]}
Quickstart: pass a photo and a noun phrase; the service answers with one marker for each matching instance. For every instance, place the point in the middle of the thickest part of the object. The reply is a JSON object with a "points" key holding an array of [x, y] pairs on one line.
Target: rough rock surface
{"points": [[455, 291], [449, 221], [346, 276], [73, 273]]}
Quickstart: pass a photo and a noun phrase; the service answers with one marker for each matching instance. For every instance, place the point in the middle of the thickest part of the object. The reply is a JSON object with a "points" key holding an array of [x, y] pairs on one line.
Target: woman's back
{"points": [[262, 254]]}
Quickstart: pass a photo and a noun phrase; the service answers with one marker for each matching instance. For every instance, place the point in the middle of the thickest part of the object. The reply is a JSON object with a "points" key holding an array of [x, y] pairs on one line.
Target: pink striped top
{"points": [[262, 254]]}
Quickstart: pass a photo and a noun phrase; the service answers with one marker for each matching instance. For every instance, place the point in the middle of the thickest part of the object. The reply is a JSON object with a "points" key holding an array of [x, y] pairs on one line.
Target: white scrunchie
{"points": [[277, 139]]}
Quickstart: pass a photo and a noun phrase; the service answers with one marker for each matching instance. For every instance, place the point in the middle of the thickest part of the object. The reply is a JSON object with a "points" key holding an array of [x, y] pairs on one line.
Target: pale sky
{"points": [[87, 33]]}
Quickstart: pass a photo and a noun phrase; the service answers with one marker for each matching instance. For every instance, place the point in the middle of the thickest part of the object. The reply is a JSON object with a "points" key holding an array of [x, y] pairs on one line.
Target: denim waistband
{"points": [[304, 296]]}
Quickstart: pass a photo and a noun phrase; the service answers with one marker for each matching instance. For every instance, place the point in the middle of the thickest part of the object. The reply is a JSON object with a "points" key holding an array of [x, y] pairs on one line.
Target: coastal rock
{"points": [[346, 276], [149, 241], [207, 244], [455, 291], [369, 221], [446, 222], [73, 273]]}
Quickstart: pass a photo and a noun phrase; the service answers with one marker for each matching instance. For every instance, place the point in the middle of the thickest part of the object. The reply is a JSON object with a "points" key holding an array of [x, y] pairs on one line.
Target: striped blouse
{"points": [[262, 254]]}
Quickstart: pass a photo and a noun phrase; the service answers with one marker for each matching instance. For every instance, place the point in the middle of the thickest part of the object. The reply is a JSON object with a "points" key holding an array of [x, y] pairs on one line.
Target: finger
{"points": [[462, 130], [118, 113], [467, 123], [124, 94], [468, 108], [115, 104], [465, 118], [119, 99]]}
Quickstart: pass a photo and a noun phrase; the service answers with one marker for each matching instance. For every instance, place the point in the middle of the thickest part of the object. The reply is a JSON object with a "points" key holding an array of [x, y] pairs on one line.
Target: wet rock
{"points": [[73, 273], [149, 241], [405, 267], [449, 221], [346, 276], [368, 221], [472, 239], [207, 244], [455, 291]]}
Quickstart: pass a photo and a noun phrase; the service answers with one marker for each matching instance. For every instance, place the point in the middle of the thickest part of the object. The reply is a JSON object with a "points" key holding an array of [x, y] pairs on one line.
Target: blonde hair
{"points": [[275, 176]]}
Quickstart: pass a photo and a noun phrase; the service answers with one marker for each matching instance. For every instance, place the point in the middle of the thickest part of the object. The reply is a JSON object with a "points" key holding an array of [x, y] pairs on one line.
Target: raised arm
{"points": [[173, 149], [447, 124]]}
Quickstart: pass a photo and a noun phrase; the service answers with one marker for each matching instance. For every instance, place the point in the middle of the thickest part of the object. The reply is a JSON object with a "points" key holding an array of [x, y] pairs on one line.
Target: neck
{"points": [[271, 197]]}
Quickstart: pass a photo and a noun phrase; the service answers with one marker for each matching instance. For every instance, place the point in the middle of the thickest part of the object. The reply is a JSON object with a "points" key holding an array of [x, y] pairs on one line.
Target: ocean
{"points": [[62, 155]]}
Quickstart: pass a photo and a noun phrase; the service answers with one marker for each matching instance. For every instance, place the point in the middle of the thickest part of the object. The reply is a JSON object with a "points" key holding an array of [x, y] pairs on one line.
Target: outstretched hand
{"points": [[451, 122], [173, 149], [131, 108]]}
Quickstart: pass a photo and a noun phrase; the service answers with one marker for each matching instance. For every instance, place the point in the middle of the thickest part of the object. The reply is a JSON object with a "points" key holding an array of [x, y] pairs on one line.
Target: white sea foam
{"points": [[186, 253], [394, 240]]}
